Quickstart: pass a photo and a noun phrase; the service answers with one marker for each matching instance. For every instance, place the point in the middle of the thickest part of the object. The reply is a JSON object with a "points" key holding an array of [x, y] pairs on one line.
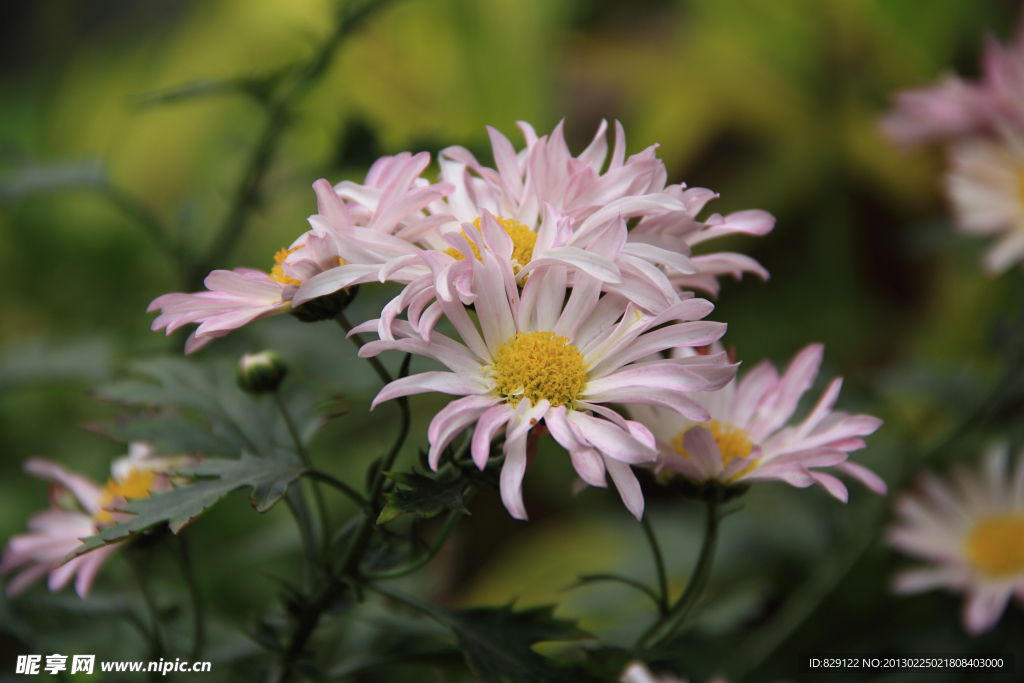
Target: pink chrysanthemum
{"points": [[540, 356], [746, 438], [57, 531], [972, 534], [543, 188], [954, 108], [391, 201]]}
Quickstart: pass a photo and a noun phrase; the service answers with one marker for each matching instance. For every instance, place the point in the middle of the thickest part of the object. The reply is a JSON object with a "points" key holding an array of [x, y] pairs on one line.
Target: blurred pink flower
{"points": [[543, 190], [79, 508], [954, 108], [543, 356], [391, 200], [972, 535], [746, 438]]}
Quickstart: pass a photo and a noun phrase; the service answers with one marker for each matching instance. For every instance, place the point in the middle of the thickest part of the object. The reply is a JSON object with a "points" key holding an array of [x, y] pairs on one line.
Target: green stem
{"points": [[666, 627], [659, 563], [308, 619], [421, 561], [156, 643], [279, 113], [830, 572], [300, 448], [357, 339], [352, 494], [196, 598]]}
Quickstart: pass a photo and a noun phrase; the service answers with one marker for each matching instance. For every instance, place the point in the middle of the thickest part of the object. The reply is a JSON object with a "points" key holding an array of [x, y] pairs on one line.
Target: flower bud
{"points": [[262, 372]]}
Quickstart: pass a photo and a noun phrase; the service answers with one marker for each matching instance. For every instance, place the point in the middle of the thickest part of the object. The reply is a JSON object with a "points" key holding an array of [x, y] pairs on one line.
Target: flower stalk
{"points": [[663, 630]]}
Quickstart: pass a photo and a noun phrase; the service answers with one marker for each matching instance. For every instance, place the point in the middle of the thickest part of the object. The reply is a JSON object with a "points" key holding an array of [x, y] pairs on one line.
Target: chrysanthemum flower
{"points": [[539, 356], [552, 205], [971, 533], [392, 200], [986, 187], [746, 438], [80, 508], [954, 107]]}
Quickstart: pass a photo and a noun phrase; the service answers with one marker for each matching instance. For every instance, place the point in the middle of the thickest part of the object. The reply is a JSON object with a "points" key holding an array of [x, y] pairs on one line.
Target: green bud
{"points": [[325, 307], [259, 373]]}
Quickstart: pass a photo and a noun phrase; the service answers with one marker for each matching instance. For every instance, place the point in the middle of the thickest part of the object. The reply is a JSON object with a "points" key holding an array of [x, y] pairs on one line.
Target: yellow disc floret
{"points": [[996, 546], [539, 365], [135, 485], [732, 441], [523, 241], [277, 272]]}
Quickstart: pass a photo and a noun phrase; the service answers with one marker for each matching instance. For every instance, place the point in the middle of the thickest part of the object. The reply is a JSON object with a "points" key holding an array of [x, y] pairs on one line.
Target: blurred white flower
{"points": [[79, 508], [986, 187], [971, 532]]}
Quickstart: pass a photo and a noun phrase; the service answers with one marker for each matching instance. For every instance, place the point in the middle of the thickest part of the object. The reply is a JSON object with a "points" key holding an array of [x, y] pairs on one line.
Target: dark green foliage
{"points": [[425, 496], [269, 480]]}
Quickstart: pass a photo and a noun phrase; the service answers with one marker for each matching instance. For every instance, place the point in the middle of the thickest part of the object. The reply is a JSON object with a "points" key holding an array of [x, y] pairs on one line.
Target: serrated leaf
{"points": [[209, 389], [171, 434], [424, 496], [268, 479], [498, 642]]}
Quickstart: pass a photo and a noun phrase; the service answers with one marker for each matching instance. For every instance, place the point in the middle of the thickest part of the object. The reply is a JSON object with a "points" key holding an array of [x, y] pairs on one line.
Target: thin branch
{"points": [[352, 494], [421, 561], [300, 448], [279, 113], [625, 580], [659, 563], [196, 598], [359, 342], [666, 627]]}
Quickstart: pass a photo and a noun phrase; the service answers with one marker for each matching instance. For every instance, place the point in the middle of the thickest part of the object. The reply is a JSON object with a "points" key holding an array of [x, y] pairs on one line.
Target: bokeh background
{"points": [[772, 104]]}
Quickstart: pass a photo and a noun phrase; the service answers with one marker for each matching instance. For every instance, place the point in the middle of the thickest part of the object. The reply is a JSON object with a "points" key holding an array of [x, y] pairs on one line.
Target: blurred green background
{"points": [[772, 104]]}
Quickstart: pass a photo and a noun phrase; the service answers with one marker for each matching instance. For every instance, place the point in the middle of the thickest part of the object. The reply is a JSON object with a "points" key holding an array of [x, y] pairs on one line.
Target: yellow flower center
{"points": [[996, 546], [539, 365], [732, 441], [523, 241], [277, 272], [135, 485]]}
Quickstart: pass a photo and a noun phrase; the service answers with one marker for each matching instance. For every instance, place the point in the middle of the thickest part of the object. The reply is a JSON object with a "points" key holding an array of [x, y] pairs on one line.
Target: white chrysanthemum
{"points": [[746, 438], [542, 356], [986, 187], [971, 532]]}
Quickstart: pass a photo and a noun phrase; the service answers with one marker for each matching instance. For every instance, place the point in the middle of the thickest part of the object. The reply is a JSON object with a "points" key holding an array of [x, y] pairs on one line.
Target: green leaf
{"points": [[498, 642], [170, 434], [425, 496], [269, 480], [209, 389]]}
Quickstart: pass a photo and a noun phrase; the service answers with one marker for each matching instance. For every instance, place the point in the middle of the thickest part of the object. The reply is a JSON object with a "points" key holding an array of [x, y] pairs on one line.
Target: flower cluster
{"points": [[570, 282], [982, 124], [571, 286]]}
